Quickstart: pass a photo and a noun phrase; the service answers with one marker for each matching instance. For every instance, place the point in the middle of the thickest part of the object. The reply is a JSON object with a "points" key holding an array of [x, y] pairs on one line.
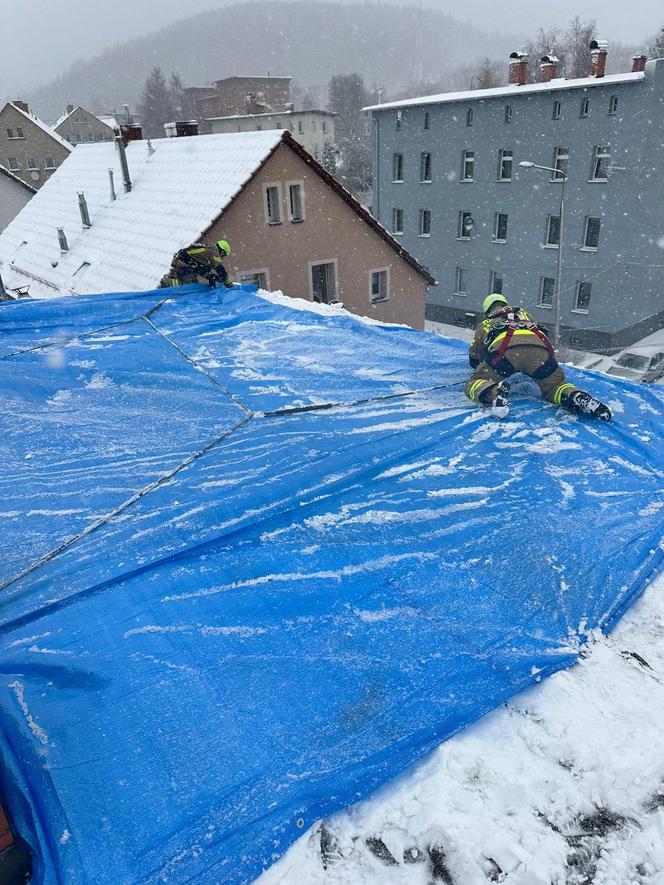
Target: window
{"points": [[560, 162], [613, 104], [19, 132], [397, 120], [295, 201], [425, 167], [468, 166], [469, 117], [13, 164], [397, 167], [585, 107], [259, 127], [273, 203], [505, 165], [547, 288], [259, 278], [500, 228], [397, 221], [496, 282], [601, 159], [556, 111], [300, 126], [324, 125], [10, 133], [427, 120], [49, 163], [552, 231], [508, 113], [425, 222], [324, 281], [465, 225], [582, 300], [591, 233], [379, 285], [461, 284], [30, 162]]}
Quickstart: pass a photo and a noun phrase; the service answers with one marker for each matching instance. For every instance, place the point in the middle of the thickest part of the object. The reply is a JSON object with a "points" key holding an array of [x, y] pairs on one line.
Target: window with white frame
{"points": [[500, 228], [49, 163], [397, 221], [300, 126], [496, 282], [461, 281], [582, 299], [601, 158], [552, 231], [465, 225], [379, 282], [323, 279], [258, 278], [547, 289], [425, 222], [508, 113], [13, 164], [427, 120], [468, 166], [397, 167], [324, 125], [560, 162], [613, 104], [591, 232], [273, 203], [469, 117], [30, 162], [397, 120], [295, 201], [556, 110], [505, 165], [19, 132], [585, 107], [425, 167], [10, 133]]}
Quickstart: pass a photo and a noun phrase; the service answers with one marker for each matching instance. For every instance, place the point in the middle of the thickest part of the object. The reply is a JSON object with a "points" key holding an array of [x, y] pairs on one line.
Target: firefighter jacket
{"points": [[504, 328], [196, 264]]}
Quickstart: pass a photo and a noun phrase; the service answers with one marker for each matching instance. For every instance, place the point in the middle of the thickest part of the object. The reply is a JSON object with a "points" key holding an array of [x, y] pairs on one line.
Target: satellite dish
{"points": [[34, 175]]}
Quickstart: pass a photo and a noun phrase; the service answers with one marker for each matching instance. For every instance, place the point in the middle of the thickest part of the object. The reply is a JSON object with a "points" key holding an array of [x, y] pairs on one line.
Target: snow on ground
{"points": [[564, 784]]}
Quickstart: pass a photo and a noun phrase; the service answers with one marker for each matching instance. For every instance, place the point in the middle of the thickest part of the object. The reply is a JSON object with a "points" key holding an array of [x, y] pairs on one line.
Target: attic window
{"points": [[81, 267]]}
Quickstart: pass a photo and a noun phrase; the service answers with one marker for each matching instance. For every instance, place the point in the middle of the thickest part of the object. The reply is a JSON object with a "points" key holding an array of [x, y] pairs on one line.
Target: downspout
{"points": [[376, 119]]}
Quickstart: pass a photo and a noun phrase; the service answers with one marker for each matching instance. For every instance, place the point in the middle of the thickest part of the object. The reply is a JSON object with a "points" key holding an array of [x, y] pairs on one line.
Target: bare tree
{"points": [[577, 39], [657, 49], [347, 97]]}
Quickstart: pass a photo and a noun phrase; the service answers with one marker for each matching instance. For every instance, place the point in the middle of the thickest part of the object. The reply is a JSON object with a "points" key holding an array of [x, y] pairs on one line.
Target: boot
{"points": [[580, 401], [501, 405]]}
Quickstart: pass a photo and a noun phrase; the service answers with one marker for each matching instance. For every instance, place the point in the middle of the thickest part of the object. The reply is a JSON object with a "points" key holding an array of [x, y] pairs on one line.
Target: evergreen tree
{"points": [[347, 97], [157, 105], [329, 158], [176, 89]]}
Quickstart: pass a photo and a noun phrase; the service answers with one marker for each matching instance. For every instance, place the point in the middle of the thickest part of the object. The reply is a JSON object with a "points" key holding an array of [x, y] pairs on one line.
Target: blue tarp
{"points": [[225, 613]]}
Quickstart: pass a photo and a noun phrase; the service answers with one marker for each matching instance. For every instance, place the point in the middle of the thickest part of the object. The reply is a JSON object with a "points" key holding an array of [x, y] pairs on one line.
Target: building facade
{"points": [[238, 95], [78, 126], [449, 186], [14, 195], [29, 148], [314, 130]]}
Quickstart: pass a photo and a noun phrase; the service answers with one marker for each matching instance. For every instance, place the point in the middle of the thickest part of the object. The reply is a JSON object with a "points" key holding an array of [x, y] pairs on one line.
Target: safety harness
{"points": [[504, 326]]}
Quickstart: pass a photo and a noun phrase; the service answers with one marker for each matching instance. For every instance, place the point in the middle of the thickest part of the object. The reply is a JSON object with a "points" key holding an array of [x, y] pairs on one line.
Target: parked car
{"points": [[641, 361]]}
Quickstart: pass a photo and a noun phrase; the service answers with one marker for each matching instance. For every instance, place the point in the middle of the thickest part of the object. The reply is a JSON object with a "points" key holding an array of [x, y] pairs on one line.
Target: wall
{"points": [[35, 143], [331, 230], [82, 126], [13, 197], [627, 285], [312, 129], [228, 96]]}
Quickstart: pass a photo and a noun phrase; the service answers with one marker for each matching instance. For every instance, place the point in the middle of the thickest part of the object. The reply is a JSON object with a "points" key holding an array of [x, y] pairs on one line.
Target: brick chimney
{"points": [[598, 51], [70, 108], [22, 105], [518, 68], [639, 63], [548, 68]]}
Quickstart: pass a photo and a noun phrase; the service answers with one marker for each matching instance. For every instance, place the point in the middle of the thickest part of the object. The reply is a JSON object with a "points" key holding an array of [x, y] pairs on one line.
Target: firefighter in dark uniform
{"points": [[508, 340], [199, 264]]}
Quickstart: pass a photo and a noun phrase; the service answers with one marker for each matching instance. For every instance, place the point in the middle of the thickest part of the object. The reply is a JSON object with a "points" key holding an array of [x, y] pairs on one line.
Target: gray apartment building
{"points": [[448, 185]]}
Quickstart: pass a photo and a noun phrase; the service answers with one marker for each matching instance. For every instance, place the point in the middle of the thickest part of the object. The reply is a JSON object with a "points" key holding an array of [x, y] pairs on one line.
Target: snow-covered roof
{"points": [[177, 192], [555, 85], [4, 171], [42, 125], [106, 119], [275, 114]]}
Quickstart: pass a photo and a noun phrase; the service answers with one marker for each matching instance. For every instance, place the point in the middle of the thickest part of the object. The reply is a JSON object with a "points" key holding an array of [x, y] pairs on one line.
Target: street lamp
{"points": [[559, 176]]}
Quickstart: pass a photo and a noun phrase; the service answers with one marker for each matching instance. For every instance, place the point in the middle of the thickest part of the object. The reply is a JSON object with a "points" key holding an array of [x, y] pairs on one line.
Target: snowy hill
{"points": [[259, 560]]}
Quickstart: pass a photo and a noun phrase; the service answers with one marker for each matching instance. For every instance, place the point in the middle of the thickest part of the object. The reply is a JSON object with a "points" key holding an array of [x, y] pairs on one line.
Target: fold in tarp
{"points": [[229, 607]]}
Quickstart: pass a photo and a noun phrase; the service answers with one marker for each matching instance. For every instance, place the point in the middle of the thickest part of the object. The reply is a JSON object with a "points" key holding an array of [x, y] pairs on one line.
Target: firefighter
{"points": [[199, 263], [508, 341]]}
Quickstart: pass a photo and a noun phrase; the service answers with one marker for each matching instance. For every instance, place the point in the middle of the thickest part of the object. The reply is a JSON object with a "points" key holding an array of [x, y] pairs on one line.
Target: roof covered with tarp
{"points": [[258, 560]]}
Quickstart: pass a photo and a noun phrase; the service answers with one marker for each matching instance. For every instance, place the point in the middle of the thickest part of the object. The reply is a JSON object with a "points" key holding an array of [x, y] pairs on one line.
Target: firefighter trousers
{"points": [[526, 358]]}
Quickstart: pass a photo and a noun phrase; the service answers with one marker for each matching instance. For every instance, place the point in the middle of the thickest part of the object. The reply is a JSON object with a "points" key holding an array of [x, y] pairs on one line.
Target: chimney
{"points": [[639, 63], [83, 207], [598, 51], [62, 240], [119, 142], [3, 291], [548, 68], [518, 68], [70, 108], [131, 132], [112, 183], [22, 105]]}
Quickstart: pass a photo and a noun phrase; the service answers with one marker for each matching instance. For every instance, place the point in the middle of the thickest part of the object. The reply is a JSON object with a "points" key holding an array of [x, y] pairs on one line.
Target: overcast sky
{"points": [[42, 39]]}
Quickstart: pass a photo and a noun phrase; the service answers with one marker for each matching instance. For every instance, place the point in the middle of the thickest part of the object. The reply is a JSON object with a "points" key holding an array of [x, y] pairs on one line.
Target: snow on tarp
{"points": [[225, 614]]}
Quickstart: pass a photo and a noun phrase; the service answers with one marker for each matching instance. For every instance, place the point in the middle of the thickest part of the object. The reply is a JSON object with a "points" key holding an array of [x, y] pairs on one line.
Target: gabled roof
{"points": [[40, 123], [28, 187], [556, 85], [178, 192], [106, 119]]}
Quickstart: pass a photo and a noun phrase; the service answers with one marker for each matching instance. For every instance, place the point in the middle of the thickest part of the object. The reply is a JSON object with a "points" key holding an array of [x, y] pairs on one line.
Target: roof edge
{"points": [[10, 174]]}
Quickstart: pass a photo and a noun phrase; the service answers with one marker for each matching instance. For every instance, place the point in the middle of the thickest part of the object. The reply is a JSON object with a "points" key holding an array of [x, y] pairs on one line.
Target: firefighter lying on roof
{"points": [[198, 264], [508, 341]]}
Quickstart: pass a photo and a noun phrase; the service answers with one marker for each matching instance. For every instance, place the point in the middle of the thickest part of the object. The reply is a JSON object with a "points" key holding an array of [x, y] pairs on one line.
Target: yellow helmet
{"points": [[490, 300], [223, 247]]}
